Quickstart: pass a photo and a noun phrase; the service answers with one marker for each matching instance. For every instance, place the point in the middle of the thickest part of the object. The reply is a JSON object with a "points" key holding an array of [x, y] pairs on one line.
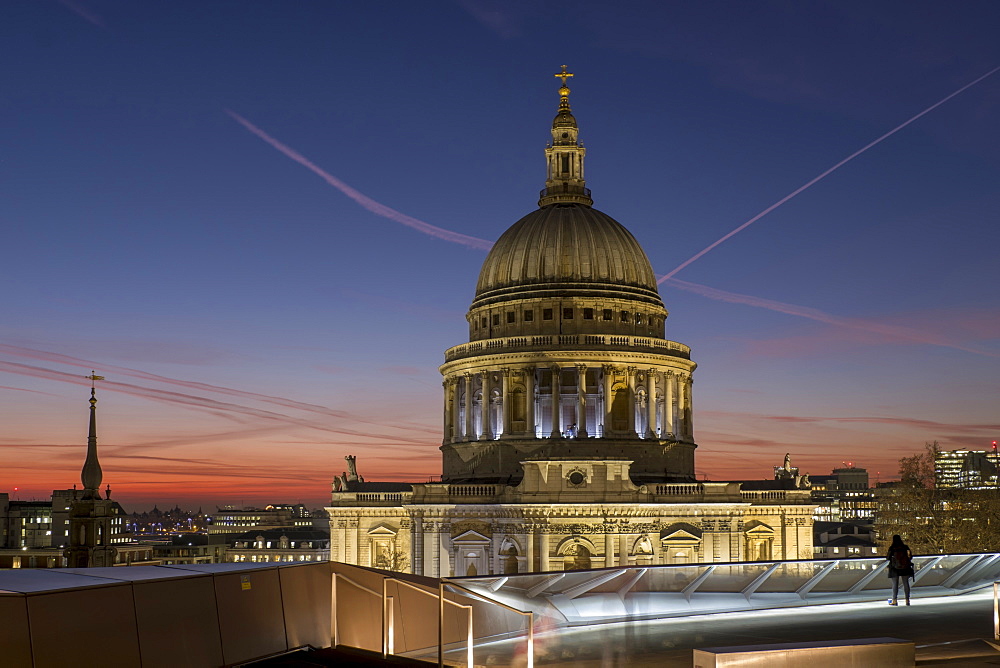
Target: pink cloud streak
{"points": [[362, 199]]}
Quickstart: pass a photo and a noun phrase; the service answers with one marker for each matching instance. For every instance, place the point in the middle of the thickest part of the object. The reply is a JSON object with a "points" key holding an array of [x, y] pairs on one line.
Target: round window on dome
{"points": [[576, 478]]}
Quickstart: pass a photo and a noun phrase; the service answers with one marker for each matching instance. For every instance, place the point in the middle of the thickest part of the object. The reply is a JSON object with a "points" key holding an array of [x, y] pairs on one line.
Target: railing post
{"points": [[335, 631], [996, 611], [440, 623], [385, 597], [469, 650], [392, 628], [531, 640]]}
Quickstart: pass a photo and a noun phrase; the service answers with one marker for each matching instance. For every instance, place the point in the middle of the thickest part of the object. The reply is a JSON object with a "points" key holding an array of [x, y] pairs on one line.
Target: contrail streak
{"points": [[821, 316], [362, 199], [824, 175], [85, 14]]}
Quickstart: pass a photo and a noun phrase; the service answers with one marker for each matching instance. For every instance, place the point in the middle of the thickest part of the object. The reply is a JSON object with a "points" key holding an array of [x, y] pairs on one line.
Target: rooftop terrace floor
{"points": [[946, 630]]}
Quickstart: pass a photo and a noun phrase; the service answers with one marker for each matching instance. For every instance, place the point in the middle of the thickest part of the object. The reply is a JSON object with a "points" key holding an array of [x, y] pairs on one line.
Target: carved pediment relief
{"points": [[460, 528], [758, 529], [383, 530], [680, 532], [470, 537]]}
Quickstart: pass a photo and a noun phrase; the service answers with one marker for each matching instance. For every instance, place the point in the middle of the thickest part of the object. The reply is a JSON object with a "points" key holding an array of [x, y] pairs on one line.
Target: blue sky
{"points": [[255, 324]]}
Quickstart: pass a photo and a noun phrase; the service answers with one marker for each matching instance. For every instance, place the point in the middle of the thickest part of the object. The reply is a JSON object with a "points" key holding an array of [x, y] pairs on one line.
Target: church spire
{"points": [[92, 474], [564, 183]]}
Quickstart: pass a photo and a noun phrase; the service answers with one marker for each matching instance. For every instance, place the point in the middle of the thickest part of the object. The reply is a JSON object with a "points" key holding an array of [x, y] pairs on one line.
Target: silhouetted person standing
{"points": [[900, 566]]}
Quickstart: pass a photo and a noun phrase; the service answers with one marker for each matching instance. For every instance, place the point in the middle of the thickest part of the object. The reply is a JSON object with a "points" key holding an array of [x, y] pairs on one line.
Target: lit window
{"points": [[624, 316], [607, 315]]}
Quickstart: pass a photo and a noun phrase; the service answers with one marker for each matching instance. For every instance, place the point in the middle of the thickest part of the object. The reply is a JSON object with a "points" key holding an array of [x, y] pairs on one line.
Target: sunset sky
{"points": [[263, 223]]}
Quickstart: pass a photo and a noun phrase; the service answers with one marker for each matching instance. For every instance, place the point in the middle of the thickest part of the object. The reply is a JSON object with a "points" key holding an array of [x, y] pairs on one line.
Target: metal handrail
{"points": [[530, 615], [388, 639], [996, 611]]}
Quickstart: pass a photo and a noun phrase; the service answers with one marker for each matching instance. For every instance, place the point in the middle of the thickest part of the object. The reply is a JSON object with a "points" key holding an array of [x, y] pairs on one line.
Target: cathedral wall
{"points": [[459, 540]]}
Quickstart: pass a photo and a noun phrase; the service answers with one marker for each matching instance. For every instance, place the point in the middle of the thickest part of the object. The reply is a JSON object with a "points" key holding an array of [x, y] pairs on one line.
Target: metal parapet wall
{"points": [[161, 616]]}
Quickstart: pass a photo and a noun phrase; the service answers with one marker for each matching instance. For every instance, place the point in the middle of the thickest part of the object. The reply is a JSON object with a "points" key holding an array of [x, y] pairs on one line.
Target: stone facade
{"points": [[566, 515]]}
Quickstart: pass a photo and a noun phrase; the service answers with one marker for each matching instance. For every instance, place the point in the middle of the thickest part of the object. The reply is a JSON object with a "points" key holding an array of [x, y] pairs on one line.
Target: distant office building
{"points": [[191, 548], [230, 520], [844, 495], [966, 469], [280, 545]]}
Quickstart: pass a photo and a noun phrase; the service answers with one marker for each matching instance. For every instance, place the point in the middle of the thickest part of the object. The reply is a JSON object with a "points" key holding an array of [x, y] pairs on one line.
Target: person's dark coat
{"points": [[906, 572]]}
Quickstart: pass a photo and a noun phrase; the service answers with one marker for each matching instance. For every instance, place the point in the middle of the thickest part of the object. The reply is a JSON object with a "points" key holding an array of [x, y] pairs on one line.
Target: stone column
{"points": [[543, 549], [556, 399], [681, 408], [689, 409], [505, 416], [651, 403], [469, 422], [456, 408], [609, 550], [487, 434], [449, 403], [352, 542], [432, 549], [341, 541], [623, 550], [608, 371], [581, 400], [417, 545], [529, 543], [529, 398], [630, 377], [668, 403]]}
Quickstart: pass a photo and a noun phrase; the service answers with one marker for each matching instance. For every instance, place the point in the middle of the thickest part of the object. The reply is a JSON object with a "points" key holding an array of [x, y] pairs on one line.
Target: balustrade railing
{"points": [[680, 489], [474, 490], [514, 343]]}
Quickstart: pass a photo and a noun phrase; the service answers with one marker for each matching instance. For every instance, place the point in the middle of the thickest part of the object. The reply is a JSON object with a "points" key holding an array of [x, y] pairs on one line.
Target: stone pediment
{"points": [[681, 531], [758, 528], [470, 537], [383, 530]]}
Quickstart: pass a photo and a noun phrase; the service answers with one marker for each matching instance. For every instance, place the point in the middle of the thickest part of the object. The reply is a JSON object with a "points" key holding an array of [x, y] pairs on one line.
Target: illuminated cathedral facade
{"points": [[568, 432]]}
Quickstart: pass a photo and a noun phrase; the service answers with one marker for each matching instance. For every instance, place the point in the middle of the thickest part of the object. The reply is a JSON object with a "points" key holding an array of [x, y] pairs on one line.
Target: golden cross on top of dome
{"points": [[563, 75]]}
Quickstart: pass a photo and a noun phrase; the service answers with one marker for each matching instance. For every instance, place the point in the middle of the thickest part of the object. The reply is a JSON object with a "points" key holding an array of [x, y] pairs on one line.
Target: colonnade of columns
{"points": [[534, 402]]}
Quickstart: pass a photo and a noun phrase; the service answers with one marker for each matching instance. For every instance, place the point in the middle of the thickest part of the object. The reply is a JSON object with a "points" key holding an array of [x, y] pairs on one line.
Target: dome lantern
{"points": [[564, 156]]}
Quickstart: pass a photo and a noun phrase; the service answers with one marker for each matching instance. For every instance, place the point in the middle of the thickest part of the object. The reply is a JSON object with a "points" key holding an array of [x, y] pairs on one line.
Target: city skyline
{"points": [[263, 225]]}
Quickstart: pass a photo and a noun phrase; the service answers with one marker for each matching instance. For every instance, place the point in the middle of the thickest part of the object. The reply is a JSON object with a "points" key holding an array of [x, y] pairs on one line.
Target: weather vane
{"points": [[94, 378]]}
